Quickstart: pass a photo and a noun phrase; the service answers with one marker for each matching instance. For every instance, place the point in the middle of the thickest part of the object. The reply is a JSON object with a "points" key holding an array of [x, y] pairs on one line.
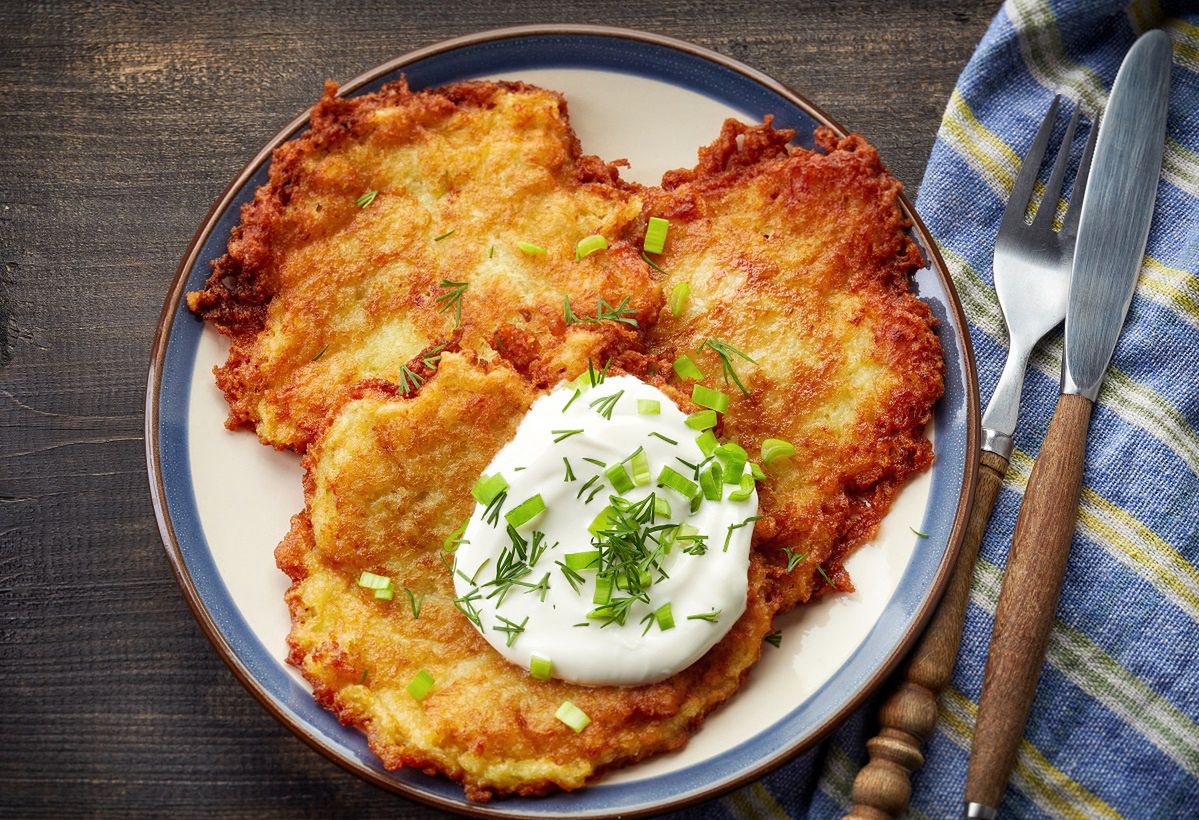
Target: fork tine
{"points": [[1017, 202], [1053, 188], [1070, 223]]}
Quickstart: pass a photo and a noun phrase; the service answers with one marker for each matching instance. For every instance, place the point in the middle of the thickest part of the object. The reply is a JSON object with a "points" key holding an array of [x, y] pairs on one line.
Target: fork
{"points": [[1032, 279]]}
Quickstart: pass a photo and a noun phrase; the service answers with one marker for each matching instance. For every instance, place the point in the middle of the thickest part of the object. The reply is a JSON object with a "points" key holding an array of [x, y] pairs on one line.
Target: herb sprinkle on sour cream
{"points": [[609, 544]]}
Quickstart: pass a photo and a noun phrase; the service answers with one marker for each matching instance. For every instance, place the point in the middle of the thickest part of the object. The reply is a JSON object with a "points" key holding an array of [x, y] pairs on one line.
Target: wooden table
{"points": [[119, 127]]}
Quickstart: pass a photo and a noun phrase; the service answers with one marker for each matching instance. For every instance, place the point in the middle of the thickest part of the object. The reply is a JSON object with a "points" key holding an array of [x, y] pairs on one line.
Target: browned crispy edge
{"points": [[237, 294]]}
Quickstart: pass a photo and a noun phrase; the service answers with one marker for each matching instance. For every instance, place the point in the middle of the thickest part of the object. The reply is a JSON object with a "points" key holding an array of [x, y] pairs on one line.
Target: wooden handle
{"points": [[882, 788], [1028, 600]]}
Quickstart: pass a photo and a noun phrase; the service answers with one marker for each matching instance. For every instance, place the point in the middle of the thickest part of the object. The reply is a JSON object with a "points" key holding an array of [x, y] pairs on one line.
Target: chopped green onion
{"points": [[385, 594], [775, 638], [560, 435], [743, 492], [701, 420], [666, 439], [420, 685], [710, 617], [678, 298], [370, 580], [531, 249], [655, 234], [603, 589], [578, 392], [488, 487], [572, 716], [918, 533], [707, 397], [445, 235], [678, 482], [582, 560], [570, 474], [366, 199], [664, 617], [619, 478], [707, 442], [589, 245], [773, 448], [710, 481], [756, 471], [649, 407], [686, 368], [661, 507], [600, 522], [525, 511], [639, 461], [696, 501], [539, 667], [733, 456], [824, 575]]}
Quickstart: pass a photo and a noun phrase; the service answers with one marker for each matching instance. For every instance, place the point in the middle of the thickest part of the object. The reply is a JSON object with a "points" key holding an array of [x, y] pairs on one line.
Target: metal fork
{"points": [[1032, 277], [1032, 272]]}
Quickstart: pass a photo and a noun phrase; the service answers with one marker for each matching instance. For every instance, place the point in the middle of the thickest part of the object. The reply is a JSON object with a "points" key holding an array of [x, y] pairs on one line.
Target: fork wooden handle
{"points": [[1028, 600], [882, 788]]}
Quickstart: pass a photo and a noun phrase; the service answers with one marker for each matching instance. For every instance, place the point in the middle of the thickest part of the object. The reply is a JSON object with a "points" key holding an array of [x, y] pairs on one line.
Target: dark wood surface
{"points": [[118, 128]]}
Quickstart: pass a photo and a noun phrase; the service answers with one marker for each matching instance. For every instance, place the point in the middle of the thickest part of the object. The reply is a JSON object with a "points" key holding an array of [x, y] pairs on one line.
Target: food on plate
{"points": [[594, 553], [569, 443], [384, 491], [400, 219], [795, 266]]}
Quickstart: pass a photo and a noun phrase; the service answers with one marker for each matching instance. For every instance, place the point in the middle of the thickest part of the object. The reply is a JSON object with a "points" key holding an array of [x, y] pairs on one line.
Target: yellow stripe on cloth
{"points": [[836, 781], [754, 801], [1143, 15], [1041, 47], [1127, 540], [1102, 678], [998, 164], [1185, 37], [1132, 401], [1043, 783]]}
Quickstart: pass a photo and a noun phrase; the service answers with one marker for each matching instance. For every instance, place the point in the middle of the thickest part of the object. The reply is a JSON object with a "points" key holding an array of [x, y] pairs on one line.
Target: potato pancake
{"points": [[406, 285], [800, 260], [396, 223], [385, 483]]}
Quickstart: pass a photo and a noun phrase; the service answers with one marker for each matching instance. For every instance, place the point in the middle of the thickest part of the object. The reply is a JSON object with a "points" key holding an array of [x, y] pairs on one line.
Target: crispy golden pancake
{"points": [[346, 344], [323, 287], [385, 483], [801, 261]]}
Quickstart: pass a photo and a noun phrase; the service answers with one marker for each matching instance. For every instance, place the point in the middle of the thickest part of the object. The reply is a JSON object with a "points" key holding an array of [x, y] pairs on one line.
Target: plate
{"points": [[223, 501]]}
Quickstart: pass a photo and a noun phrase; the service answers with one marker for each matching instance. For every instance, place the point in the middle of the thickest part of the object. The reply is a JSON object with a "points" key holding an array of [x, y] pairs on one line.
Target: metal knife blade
{"points": [[1116, 212]]}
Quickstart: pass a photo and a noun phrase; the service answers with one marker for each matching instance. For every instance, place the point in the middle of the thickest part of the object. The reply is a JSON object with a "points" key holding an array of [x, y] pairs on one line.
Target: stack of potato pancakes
{"points": [[406, 285]]}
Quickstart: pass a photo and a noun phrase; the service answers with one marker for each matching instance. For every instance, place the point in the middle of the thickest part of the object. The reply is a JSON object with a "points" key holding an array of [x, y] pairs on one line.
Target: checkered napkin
{"points": [[1114, 728]]}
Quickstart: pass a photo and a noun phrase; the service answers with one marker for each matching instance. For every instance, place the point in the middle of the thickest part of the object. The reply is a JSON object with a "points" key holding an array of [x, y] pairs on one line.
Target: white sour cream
{"points": [[712, 584]]}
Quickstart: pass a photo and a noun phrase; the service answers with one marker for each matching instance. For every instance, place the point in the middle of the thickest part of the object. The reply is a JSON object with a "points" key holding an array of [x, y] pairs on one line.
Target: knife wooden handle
{"points": [[882, 788], [1028, 600]]}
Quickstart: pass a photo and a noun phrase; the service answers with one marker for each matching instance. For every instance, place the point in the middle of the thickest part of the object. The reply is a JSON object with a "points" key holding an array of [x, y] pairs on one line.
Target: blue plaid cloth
{"points": [[1114, 729]]}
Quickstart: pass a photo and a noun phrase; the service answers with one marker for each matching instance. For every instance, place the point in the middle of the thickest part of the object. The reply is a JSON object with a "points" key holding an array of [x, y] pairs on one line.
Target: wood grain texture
{"points": [[120, 125], [883, 787], [1028, 599]]}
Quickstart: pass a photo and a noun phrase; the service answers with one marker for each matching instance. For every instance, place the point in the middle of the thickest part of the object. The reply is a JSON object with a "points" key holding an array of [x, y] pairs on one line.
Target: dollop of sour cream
{"points": [[686, 602]]}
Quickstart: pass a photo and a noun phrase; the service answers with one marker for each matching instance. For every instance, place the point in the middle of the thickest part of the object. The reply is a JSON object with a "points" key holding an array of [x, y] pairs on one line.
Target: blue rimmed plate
{"points": [[223, 501]]}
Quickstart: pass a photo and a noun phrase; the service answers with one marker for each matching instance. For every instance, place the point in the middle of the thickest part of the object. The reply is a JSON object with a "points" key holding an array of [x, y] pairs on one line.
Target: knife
{"points": [[1112, 232]]}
